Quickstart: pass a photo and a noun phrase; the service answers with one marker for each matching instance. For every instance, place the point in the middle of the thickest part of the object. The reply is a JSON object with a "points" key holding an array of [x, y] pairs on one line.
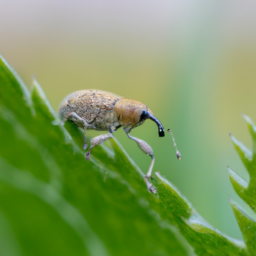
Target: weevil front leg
{"points": [[97, 141], [147, 150], [79, 121]]}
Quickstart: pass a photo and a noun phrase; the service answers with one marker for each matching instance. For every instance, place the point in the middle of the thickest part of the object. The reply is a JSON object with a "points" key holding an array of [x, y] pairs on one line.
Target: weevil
{"points": [[105, 111]]}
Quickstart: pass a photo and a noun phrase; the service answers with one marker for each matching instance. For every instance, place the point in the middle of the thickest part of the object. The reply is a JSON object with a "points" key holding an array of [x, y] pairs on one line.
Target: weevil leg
{"points": [[79, 121], [147, 150], [97, 141], [85, 140]]}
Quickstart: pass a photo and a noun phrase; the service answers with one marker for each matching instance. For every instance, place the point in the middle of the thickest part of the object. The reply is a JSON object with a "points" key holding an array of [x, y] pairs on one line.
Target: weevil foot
{"points": [[87, 156], [151, 188], [85, 146]]}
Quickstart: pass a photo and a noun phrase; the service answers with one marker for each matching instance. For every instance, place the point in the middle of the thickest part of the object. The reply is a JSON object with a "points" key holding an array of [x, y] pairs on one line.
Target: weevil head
{"points": [[132, 113]]}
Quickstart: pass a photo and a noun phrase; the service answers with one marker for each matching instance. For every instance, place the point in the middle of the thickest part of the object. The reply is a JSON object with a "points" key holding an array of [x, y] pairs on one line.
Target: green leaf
{"points": [[54, 202], [247, 191], [247, 226], [202, 236]]}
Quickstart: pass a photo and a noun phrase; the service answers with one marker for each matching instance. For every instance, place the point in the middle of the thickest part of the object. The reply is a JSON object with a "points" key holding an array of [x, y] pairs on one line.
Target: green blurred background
{"points": [[192, 62]]}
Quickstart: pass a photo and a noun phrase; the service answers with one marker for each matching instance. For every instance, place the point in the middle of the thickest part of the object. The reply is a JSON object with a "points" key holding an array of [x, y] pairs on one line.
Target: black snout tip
{"points": [[161, 133]]}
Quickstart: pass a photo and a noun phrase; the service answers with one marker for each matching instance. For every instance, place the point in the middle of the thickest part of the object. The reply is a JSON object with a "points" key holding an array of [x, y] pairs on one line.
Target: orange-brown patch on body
{"points": [[128, 112]]}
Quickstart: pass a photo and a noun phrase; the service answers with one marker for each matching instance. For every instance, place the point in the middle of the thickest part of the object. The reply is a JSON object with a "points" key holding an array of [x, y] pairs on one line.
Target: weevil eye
{"points": [[143, 115]]}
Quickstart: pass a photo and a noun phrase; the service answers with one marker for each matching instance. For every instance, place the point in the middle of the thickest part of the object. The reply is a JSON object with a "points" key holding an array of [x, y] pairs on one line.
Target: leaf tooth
{"points": [[244, 153], [198, 224], [40, 102], [247, 226], [243, 189], [171, 196], [251, 126], [252, 129], [17, 83], [238, 183]]}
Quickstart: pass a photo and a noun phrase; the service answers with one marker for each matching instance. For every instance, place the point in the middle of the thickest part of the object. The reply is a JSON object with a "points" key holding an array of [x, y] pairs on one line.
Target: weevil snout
{"points": [[160, 126]]}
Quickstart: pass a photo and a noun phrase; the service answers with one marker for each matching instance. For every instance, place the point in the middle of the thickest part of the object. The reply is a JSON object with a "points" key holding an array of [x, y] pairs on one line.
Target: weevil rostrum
{"points": [[105, 111]]}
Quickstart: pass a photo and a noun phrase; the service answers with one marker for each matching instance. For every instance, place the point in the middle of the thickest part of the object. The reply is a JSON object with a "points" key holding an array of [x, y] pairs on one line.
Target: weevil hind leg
{"points": [[85, 140], [97, 141], [148, 175], [79, 121], [147, 150]]}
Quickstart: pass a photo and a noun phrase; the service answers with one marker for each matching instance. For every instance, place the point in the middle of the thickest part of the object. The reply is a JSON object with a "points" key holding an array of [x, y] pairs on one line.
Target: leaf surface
{"points": [[247, 191], [54, 202]]}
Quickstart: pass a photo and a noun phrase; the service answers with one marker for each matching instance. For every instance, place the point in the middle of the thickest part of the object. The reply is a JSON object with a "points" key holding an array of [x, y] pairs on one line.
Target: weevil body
{"points": [[105, 111]]}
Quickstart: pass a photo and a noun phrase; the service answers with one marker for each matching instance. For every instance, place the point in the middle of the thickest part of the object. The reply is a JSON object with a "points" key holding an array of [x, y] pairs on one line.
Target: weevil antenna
{"points": [[175, 145], [160, 126]]}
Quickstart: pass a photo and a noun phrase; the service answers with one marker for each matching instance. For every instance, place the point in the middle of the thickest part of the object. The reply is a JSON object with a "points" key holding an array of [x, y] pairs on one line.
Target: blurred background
{"points": [[192, 62]]}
